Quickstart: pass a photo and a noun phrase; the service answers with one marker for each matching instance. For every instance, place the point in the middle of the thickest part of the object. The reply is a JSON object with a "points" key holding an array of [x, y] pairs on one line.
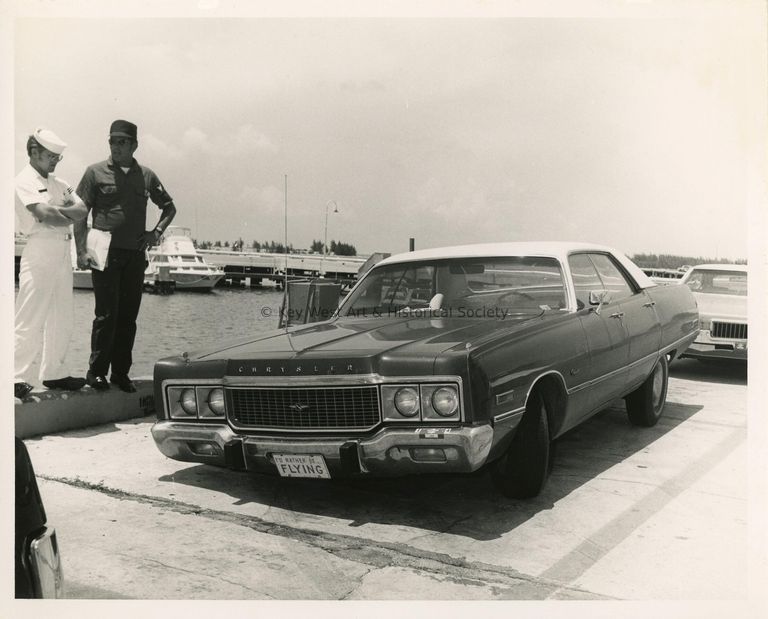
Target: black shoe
{"points": [[122, 381], [70, 383], [99, 383], [21, 389]]}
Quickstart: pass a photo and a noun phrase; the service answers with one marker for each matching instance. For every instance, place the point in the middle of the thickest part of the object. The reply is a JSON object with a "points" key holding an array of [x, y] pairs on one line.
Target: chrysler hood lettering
{"points": [[299, 368]]}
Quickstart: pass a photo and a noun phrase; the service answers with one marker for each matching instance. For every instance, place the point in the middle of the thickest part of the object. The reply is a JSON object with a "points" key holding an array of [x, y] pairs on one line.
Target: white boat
{"points": [[176, 257]]}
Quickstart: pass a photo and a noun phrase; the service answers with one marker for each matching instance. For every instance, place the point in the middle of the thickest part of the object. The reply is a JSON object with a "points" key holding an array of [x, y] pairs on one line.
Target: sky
{"points": [[629, 129]]}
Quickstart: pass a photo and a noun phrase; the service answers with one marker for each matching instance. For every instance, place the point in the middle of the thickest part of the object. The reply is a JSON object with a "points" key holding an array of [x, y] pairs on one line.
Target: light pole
{"points": [[325, 241]]}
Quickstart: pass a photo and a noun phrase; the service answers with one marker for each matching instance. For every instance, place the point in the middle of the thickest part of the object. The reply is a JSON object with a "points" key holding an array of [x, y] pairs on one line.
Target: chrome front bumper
{"points": [[707, 347], [389, 452]]}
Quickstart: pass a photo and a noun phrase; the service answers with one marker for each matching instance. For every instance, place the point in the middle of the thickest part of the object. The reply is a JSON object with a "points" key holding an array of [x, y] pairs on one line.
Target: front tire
{"points": [[523, 470], [646, 403]]}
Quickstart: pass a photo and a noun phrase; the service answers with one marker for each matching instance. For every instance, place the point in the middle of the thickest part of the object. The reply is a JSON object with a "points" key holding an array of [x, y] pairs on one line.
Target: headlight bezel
{"points": [[180, 399], [426, 409], [430, 412]]}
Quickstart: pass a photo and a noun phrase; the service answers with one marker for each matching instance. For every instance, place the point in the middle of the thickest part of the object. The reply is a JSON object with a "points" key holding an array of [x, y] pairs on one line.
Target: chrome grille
{"points": [[732, 330], [300, 408]]}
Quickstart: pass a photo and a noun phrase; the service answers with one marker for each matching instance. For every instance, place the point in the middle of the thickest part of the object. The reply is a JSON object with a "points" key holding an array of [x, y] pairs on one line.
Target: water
{"points": [[171, 324]]}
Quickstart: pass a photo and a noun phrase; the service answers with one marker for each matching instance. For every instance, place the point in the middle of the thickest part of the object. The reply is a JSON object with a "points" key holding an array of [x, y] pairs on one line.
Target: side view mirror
{"points": [[599, 298]]}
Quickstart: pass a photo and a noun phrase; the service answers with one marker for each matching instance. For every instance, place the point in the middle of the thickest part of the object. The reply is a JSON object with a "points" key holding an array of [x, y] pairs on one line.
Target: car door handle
{"points": [[618, 315], [650, 304]]}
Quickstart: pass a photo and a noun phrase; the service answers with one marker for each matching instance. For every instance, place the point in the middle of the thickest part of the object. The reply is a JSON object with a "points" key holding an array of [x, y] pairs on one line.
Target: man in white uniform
{"points": [[46, 206]]}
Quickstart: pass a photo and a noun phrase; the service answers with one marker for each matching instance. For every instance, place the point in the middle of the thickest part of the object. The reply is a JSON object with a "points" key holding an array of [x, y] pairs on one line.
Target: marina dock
{"points": [[245, 268], [253, 269]]}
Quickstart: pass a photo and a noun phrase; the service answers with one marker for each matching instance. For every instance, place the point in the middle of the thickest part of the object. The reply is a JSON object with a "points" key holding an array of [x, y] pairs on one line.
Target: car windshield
{"points": [[465, 287], [718, 282]]}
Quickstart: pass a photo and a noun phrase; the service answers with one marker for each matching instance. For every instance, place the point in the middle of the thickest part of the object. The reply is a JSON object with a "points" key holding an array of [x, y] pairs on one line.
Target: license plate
{"points": [[301, 465]]}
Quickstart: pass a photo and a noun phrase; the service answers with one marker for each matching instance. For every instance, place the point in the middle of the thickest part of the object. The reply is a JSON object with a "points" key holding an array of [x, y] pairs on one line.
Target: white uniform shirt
{"points": [[32, 188]]}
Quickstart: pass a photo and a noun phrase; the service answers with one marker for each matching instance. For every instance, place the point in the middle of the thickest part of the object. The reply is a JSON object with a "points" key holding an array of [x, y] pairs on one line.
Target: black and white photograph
{"points": [[360, 308]]}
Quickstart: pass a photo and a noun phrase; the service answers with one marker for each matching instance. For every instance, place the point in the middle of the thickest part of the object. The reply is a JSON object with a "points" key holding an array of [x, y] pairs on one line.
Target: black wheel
{"points": [[646, 403], [522, 471]]}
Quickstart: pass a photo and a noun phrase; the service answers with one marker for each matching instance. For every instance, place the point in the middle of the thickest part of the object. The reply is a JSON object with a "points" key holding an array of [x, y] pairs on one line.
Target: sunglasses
{"points": [[120, 141], [49, 154]]}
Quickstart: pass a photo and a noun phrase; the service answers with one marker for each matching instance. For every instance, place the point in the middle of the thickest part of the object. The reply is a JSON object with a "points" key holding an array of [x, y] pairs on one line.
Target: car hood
{"points": [[726, 306], [359, 342]]}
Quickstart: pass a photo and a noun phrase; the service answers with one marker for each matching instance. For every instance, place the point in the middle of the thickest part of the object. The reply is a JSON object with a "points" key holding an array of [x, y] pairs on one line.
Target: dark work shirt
{"points": [[118, 201]]}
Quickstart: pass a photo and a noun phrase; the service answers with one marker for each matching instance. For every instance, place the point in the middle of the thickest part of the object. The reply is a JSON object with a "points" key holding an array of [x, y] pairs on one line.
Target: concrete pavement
{"points": [[628, 513]]}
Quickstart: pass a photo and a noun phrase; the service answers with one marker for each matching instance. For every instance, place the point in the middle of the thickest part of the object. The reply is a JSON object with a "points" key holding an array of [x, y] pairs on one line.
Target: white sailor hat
{"points": [[49, 140]]}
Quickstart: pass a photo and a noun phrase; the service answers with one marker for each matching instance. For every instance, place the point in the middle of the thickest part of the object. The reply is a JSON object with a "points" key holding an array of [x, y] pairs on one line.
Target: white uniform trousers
{"points": [[44, 310]]}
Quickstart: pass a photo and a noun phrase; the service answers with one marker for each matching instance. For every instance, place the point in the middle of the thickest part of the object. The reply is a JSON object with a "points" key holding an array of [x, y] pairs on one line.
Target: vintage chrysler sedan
{"points": [[720, 291], [440, 360]]}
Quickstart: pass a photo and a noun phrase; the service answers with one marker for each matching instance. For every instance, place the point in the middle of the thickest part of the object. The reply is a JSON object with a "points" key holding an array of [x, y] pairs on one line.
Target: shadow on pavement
{"points": [[723, 372], [463, 505]]}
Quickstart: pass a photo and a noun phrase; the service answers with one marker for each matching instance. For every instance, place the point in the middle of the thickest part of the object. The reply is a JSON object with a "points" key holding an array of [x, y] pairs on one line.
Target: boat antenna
{"points": [[286, 296]]}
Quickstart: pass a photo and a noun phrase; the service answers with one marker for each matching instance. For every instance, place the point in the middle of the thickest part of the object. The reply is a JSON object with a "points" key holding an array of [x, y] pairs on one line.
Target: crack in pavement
{"points": [[365, 551], [217, 577], [357, 586]]}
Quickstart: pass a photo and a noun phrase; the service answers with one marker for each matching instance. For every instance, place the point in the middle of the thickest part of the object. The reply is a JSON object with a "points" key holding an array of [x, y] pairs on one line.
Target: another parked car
{"points": [[38, 566], [721, 294], [440, 360], [663, 276]]}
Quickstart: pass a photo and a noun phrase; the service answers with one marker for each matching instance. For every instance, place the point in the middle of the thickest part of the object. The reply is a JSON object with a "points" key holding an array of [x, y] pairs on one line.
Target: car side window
{"points": [[613, 278], [585, 278]]}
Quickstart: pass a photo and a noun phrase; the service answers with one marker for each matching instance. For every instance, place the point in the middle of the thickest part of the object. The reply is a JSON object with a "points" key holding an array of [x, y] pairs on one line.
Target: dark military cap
{"points": [[123, 129]]}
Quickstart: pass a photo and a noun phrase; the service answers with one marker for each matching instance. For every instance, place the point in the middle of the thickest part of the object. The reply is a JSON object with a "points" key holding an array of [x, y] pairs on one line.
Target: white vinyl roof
{"points": [[553, 249], [720, 267]]}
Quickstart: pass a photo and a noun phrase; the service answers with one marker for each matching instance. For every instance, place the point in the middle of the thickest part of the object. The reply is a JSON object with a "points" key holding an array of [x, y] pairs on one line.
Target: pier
{"points": [[252, 269], [244, 268]]}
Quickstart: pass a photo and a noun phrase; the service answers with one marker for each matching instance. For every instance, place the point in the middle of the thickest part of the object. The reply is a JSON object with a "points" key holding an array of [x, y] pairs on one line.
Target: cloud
{"points": [[244, 140], [159, 150], [195, 139], [248, 139]]}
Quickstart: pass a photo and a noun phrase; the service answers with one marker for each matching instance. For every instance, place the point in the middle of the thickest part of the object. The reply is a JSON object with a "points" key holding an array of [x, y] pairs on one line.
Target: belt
{"points": [[63, 236]]}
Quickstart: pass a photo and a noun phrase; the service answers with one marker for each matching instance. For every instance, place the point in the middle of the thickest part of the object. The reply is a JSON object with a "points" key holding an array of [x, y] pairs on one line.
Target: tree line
{"points": [[670, 261], [336, 248]]}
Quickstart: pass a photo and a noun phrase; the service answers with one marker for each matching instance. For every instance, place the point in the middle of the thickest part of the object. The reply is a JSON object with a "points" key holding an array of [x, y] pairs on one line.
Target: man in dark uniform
{"points": [[116, 193]]}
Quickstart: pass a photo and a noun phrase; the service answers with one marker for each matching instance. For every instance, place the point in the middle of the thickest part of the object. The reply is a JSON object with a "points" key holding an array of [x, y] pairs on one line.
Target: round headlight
{"points": [[407, 401], [188, 401], [216, 401], [445, 401]]}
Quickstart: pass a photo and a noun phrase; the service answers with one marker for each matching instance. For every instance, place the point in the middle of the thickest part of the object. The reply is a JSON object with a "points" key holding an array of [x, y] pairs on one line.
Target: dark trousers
{"points": [[118, 291]]}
